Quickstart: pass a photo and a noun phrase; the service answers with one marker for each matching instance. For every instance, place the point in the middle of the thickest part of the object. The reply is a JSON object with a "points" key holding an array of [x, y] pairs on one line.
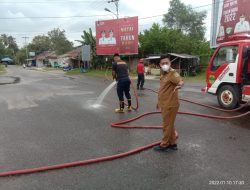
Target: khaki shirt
{"points": [[167, 97]]}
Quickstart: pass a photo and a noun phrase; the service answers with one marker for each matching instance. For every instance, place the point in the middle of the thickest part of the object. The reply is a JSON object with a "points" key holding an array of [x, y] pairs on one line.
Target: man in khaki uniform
{"points": [[168, 103]]}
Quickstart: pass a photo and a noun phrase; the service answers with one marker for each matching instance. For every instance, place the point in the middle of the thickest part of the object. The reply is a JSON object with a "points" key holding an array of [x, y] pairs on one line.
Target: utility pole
{"points": [[116, 5], [25, 43]]}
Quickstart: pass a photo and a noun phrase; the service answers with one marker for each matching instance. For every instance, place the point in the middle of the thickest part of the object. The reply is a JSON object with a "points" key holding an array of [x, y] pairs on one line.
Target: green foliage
{"points": [[59, 43], [200, 77], [2, 69], [40, 43], [55, 41], [21, 56], [92, 73], [158, 40], [183, 32], [8, 46], [97, 73], [88, 39], [2, 48], [183, 18], [152, 40], [98, 61]]}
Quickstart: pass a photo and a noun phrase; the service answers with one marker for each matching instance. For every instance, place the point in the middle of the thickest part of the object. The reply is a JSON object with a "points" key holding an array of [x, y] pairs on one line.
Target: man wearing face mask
{"points": [[168, 103]]}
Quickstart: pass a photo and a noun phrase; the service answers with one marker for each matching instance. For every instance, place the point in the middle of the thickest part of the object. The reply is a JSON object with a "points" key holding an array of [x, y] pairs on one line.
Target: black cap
{"points": [[116, 54]]}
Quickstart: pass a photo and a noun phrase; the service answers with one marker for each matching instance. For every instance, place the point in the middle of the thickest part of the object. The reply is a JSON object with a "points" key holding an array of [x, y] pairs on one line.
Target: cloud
{"points": [[74, 26]]}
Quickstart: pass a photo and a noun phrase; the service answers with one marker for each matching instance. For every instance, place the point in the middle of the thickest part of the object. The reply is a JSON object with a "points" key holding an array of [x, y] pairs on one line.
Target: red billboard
{"points": [[117, 36], [234, 18]]}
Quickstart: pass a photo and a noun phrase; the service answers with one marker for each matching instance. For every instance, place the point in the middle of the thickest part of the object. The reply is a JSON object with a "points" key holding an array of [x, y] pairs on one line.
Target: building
{"points": [[183, 63], [46, 58], [71, 58]]}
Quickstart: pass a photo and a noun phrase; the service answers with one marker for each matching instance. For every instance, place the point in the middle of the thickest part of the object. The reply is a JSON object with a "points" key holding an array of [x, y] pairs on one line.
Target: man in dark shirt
{"points": [[121, 75], [140, 73]]}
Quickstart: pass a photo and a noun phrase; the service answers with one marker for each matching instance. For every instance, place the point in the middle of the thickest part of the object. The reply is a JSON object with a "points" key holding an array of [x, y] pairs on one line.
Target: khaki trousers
{"points": [[169, 133]]}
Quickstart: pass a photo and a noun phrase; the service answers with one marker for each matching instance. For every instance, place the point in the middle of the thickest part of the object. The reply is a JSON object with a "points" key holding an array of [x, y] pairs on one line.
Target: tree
{"points": [[21, 56], [12, 45], [8, 45], [59, 43], [160, 40], [40, 43], [183, 18], [55, 41], [2, 48], [153, 40], [89, 39]]}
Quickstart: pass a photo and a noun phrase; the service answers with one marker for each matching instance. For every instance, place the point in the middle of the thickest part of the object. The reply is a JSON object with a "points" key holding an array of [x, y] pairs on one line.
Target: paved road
{"points": [[47, 119]]}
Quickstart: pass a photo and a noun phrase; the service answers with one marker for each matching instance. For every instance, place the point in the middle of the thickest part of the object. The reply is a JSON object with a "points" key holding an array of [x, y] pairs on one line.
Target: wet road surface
{"points": [[47, 118]]}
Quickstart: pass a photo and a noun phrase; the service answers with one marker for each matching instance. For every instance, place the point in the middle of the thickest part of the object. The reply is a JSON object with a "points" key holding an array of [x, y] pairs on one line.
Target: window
{"points": [[225, 55]]}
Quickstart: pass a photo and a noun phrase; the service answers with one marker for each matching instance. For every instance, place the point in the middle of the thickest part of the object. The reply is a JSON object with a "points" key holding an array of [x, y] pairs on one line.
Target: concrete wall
{"points": [[52, 62], [39, 63]]}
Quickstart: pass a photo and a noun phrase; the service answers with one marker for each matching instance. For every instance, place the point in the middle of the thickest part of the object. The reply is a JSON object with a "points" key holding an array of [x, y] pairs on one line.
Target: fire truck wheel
{"points": [[228, 97]]}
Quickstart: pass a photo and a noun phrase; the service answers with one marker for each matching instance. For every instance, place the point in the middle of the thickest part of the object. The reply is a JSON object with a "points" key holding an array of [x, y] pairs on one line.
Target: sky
{"points": [[19, 17]]}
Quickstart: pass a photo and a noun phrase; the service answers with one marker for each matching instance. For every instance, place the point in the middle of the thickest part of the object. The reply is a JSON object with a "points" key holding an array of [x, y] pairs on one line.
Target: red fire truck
{"points": [[228, 71]]}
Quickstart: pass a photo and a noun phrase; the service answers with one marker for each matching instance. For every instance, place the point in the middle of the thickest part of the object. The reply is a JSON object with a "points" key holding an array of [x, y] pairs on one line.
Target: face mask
{"points": [[165, 68]]}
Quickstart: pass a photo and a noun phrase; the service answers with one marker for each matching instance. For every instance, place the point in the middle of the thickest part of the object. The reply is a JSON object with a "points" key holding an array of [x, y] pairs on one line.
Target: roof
{"points": [[153, 57], [7, 59], [72, 54], [46, 55], [184, 56]]}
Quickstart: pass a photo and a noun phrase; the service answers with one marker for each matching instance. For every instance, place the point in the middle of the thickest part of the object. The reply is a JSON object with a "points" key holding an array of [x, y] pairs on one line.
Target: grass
{"points": [[200, 77], [2, 69], [51, 69], [94, 73], [91, 73]]}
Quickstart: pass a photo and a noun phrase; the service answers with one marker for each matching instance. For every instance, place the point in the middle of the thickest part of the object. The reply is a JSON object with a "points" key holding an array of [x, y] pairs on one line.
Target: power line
{"points": [[102, 2], [96, 6], [165, 13], [150, 17], [47, 2], [52, 17], [79, 16]]}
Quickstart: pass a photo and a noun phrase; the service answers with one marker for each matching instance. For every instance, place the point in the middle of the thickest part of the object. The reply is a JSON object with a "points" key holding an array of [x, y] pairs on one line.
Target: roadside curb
{"points": [[43, 70]]}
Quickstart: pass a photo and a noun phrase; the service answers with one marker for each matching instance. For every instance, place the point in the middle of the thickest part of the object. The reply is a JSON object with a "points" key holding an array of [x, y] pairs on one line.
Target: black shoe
{"points": [[173, 147], [161, 149], [165, 149]]}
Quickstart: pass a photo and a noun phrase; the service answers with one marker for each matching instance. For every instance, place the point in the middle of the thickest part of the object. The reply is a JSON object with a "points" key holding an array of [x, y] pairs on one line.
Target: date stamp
{"points": [[226, 182]]}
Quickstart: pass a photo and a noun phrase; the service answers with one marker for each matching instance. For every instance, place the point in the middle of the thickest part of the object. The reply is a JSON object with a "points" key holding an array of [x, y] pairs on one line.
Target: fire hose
{"points": [[122, 124], [205, 105]]}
